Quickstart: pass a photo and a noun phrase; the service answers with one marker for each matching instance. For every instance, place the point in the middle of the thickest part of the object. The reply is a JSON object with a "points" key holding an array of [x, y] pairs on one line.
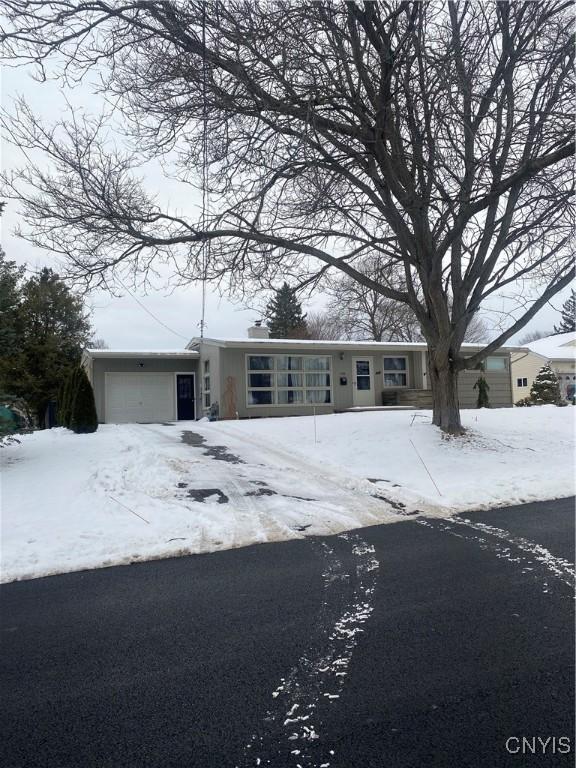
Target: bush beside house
{"points": [[545, 390], [77, 408], [483, 387], [83, 417]]}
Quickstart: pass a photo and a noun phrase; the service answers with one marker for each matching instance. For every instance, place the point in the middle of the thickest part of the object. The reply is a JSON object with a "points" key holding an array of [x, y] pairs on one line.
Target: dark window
{"points": [[260, 379], [260, 397], [261, 363]]}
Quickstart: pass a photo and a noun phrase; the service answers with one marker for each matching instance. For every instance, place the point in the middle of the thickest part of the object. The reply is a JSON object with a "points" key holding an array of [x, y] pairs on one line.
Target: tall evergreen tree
{"points": [[284, 315], [83, 418], [11, 277], [568, 322], [545, 388], [51, 327], [66, 395]]}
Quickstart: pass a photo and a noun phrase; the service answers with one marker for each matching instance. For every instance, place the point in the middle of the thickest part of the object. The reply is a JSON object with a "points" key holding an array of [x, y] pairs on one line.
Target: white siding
{"points": [[524, 366], [528, 366]]}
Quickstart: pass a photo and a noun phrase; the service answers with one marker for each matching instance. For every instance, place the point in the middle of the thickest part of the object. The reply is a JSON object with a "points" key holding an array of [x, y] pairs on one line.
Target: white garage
{"points": [[134, 386], [139, 397]]}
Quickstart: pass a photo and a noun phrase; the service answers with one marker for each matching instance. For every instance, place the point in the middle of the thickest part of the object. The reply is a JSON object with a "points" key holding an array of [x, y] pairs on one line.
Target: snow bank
{"points": [[509, 456], [137, 492]]}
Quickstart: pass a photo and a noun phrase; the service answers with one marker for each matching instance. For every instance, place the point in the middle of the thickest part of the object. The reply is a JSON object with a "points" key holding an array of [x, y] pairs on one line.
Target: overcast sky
{"points": [[161, 318]]}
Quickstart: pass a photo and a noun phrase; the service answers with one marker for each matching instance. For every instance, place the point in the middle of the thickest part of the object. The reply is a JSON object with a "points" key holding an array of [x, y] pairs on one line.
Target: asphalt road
{"points": [[420, 643]]}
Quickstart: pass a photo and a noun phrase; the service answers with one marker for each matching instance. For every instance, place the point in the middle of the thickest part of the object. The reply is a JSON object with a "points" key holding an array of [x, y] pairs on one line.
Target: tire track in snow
{"points": [[301, 701], [562, 569], [507, 546]]}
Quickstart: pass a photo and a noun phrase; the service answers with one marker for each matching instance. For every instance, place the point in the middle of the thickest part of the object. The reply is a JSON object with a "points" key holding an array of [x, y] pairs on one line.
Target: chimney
{"points": [[258, 331]]}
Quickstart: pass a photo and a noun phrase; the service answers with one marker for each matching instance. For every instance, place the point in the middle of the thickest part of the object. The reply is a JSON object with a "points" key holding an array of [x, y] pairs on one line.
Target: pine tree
{"points": [[66, 396], [11, 276], [568, 322], [482, 386], [83, 417], [545, 388], [284, 315], [51, 327], [61, 401]]}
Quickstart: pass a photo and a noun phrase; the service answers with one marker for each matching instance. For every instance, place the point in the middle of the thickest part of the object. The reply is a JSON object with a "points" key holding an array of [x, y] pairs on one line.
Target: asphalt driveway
{"points": [[420, 643]]}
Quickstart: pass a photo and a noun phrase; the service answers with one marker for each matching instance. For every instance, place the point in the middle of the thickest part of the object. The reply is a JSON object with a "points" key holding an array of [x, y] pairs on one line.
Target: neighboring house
{"points": [[258, 376], [559, 352]]}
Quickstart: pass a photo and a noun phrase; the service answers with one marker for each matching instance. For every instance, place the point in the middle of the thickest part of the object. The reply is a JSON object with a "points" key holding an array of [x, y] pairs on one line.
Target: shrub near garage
{"points": [[83, 418]]}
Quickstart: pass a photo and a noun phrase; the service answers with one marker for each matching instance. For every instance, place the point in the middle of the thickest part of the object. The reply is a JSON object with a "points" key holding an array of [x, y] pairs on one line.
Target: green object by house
{"points": [[9, 421]]}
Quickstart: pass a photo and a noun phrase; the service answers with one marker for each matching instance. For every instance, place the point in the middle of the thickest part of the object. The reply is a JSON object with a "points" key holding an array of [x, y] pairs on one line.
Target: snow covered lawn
{"points": [[509, 455], [136, 492]]}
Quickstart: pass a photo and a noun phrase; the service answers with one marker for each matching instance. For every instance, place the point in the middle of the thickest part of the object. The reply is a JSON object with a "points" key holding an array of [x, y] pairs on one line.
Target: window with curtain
{"points": [[289, 380], [395, 371]]}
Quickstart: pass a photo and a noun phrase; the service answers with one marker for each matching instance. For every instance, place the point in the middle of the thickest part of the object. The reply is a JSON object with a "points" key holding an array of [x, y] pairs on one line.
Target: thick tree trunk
{"points": [[444, 383]]}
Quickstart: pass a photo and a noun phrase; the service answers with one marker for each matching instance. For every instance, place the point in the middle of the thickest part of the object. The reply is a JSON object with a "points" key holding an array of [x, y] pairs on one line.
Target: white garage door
{"points": [[139, 397]]}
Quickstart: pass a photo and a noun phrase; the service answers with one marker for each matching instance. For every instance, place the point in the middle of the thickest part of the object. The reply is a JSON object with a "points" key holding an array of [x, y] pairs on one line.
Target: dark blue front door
{"points": [[185, 396]]}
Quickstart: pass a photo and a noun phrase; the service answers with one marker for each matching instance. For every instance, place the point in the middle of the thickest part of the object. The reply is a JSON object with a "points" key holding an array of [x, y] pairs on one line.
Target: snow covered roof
{"points": [[559, 347], [140, 353], [415, 345]]}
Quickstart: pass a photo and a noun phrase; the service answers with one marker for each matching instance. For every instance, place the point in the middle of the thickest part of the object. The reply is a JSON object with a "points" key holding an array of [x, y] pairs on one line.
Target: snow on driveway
{"points": [[137, 492]]}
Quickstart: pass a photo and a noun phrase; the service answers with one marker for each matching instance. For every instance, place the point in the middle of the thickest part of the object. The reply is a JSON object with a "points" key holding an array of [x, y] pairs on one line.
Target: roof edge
{"points": [[338, 344], [135, 353]]}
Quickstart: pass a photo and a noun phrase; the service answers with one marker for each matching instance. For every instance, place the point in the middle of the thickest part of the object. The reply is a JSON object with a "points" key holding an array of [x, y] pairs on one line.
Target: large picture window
{"points": [[395, 371], [289, 379]]}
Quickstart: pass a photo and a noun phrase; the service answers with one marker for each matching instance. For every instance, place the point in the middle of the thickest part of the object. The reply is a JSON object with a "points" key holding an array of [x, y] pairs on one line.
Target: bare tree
{"points": [[477, 331], [364, 312], [533, 336], [437, 134], [324, 325], [98, 344]]}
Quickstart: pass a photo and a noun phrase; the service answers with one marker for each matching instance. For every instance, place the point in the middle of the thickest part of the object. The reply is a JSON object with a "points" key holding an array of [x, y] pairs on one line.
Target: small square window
{"points": [[287, 396], [394, 379], [394, 363], [317, 396], [522, 382], [260, 397], [317, 379], [260, 380], [261, 363], [289, 379], [289, 363], [317, 363]]}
